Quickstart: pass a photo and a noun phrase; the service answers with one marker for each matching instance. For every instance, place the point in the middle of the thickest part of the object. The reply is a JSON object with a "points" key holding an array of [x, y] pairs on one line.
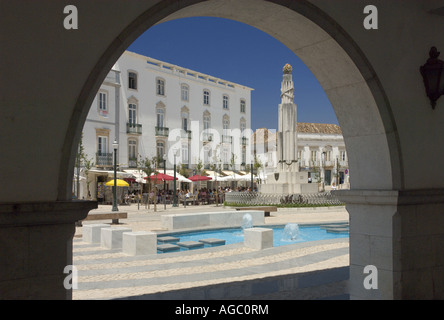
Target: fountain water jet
{"points": [[291, 232], [247, 221]]}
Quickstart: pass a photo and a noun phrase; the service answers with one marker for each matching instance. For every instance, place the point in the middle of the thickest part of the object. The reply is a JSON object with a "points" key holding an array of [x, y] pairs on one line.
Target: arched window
{"points": [[160, 149], [132, 114], [160, 115], [132, 153], [226, 123], [184, 113], [243, 124], [206, 120]]}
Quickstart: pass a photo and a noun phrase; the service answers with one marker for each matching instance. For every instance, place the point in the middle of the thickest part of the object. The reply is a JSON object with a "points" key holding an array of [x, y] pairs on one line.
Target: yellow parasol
{"points": [[119, 183]]}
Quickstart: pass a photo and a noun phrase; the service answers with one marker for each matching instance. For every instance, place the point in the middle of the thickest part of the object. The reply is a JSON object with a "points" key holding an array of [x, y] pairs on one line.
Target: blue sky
{"points": [[236, 52]]}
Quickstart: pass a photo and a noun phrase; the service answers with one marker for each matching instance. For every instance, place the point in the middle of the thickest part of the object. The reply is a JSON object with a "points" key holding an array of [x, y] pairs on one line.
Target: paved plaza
{"points": [[225, 272]]}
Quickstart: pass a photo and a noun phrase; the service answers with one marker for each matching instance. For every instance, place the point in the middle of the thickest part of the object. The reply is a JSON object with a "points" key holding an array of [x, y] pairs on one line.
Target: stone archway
{"points": [[339, 65], [334, 58], [50, 76]]}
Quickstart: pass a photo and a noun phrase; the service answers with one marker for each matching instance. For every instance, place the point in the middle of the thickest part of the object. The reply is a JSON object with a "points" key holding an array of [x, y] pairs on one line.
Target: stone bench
{"points": [[209, 219], [265, 209], [112, 238], [113, 215], [139, 243]]}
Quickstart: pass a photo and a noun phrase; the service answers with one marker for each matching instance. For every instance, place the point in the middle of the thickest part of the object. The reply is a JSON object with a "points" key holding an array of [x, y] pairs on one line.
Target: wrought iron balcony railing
{"points": [[162, 132], [133, 128], [186, 134], [104, 159], [132, 162], [227, 139]]}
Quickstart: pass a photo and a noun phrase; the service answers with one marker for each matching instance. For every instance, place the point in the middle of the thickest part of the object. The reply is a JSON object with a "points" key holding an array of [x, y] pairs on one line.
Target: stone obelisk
{"points": [[287, 179], [287, 128]]}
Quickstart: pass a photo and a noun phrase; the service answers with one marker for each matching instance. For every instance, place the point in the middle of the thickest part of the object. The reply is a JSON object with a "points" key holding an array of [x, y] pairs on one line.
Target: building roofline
{"points": [[188, 72]]}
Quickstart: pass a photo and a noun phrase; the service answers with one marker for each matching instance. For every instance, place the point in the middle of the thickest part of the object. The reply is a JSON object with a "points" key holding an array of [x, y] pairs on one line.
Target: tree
{"points": [[82, 161], [148, 167], [199, 167], [256, 166]]}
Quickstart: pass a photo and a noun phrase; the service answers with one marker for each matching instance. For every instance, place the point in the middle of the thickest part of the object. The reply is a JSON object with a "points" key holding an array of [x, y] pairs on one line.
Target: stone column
{"points": [[401, 233], [36, 246]]}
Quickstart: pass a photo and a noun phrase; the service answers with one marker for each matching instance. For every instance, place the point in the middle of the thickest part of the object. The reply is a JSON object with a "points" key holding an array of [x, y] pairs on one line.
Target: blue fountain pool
{"points": [[236, 235]]}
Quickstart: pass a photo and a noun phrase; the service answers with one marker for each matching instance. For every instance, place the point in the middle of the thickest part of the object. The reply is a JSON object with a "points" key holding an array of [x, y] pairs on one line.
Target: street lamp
{"points": [[251, 171], [115, 146], [174, 191], [164, 181], [433, 76]]}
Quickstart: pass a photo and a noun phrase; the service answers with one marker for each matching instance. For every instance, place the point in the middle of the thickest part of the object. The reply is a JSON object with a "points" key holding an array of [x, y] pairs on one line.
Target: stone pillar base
{"points": [[401, 233], [36, 246]]}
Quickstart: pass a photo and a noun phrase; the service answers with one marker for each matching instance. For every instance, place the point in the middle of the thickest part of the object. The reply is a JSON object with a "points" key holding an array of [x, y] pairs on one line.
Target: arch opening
{"points": [[340, 67]]}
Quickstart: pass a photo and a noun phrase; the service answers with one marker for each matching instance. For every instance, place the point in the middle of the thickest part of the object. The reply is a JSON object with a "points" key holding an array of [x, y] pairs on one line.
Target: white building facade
{"points": [[155, 109], [321, 152]]}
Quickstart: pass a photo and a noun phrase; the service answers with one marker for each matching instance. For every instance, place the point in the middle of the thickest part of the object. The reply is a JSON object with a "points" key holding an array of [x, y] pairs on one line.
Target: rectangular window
{"points": [[225, 102], [242, 106], [132, 113], [185, 124], [184, 153], [184, 92], [102, 145], [160, 87], [160, 118], [314, 155], [206, 122], [132, 80], [132, 154], [102, 101], [206, 97]]}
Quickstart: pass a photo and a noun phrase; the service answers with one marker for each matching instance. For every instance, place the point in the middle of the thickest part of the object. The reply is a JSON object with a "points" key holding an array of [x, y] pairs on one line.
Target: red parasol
{"points": [[162, 177], [199, 178]]}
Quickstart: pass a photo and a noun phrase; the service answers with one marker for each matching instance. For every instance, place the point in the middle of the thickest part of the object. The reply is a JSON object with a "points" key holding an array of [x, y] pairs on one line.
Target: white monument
{"points": [[287, 179]]}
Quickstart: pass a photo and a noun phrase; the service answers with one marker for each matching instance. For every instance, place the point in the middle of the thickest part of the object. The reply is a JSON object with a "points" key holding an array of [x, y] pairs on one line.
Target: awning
{"points": [[179, 177], [110, 173]]}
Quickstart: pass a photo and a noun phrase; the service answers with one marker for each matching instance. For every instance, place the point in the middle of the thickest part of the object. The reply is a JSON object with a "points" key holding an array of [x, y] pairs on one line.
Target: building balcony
{"points": [[134, 128], [162, 131], [132, 162], [104, 159], [186, 134], [207, 137], [227, 139], [113, 77]]}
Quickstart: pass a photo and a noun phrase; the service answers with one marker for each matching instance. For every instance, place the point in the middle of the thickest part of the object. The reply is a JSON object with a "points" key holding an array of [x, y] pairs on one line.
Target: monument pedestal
{"points": [[288, 183]]}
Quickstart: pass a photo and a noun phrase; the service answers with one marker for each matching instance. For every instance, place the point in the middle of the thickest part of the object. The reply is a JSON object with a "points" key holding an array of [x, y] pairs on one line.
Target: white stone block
{"points": [[139, 243], [258, 238], [111, 238], [91, 233]]}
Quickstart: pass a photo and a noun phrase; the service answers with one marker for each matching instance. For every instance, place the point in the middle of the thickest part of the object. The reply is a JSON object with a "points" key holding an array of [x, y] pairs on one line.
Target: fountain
{"points": [[247, 221], [291, 232]]}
